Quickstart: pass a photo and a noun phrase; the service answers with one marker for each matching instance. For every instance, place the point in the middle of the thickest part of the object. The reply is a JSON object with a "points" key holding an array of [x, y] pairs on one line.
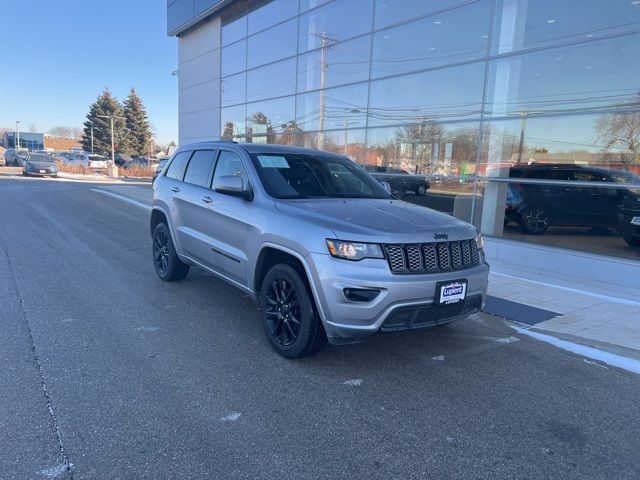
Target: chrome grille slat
{"points": [[432, 257]]}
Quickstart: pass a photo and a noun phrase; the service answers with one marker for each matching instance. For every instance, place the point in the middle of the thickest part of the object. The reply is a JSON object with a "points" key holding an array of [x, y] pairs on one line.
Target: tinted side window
{"points": [[230, 164], [178, 165], [199, 168]]}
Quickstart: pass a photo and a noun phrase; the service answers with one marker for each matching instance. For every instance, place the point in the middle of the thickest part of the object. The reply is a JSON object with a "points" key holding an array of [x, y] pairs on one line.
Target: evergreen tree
{"points": [[139, 132], [106, 105]]}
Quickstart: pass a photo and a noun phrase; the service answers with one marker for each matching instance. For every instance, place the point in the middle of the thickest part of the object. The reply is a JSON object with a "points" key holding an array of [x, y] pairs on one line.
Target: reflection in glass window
{"points": [[199, 168], [233, 89], [265, 13], [273, 44], [435, 150], [348, 142], [347, 62], [455, 36], [265, 119], [309, 4], [274, 80], [233, 123], [606, 140], [333, 108], [234, 58], [434, 95], [234, 24], [565, 80], [532, 24], [338, 20], [390, 12]]}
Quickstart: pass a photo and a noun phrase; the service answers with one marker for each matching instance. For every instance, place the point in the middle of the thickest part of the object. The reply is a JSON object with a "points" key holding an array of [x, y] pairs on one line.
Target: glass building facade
{"points": [[523, 115]]}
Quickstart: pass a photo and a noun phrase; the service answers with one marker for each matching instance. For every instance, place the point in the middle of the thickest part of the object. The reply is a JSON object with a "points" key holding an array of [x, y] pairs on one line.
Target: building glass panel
{"points": [[273, 80], [233, 123], [234, 58], [535, 24], [233, 89], [436, 95], [455, 36], [346, 62], [335, 21], [273, 44], [579, 78], [265, 13], [390, 12], [340, 107], [267, 118], [234, 24]]}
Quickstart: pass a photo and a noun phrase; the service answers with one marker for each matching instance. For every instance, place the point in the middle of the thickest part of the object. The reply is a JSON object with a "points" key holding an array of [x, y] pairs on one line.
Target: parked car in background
{"points": [[121, 159], [2, 152], [39, 164], [401, 181], [15, 157], [88, 160], [322, 247], [535, 207], [136, 162], [61, 157], [163, 161]]}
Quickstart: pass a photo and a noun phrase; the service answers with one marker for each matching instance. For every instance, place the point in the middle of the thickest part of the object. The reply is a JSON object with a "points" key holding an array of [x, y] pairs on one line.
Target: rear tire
{"points": [[422, 190], [535, 221], [288, 313], [168, 265]]}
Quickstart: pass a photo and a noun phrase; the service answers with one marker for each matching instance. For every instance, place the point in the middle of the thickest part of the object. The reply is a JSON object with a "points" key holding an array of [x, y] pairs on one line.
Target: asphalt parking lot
{"points": [[122, 376]]}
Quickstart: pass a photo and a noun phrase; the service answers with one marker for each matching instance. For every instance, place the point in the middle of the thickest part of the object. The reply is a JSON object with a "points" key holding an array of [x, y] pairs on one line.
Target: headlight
{"points": [[354, 250], [479, 242]]}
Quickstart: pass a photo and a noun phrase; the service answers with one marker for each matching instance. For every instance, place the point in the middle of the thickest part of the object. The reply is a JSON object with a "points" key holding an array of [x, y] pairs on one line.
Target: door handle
{"points": [[206, 199], [175, 189]]}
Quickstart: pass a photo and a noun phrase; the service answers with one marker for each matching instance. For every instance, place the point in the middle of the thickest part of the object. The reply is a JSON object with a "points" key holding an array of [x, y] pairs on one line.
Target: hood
{"points": [[380, 221]]}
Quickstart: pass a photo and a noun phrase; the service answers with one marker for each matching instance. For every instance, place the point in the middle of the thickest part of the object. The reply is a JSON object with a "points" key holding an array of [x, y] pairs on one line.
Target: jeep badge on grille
{"points": [[440, 236]]}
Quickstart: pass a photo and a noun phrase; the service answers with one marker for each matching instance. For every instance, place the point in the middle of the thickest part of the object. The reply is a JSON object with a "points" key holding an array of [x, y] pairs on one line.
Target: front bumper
{"points": [[404, 302]]}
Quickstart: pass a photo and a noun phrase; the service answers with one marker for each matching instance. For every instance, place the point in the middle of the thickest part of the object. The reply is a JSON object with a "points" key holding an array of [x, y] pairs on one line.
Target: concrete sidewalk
{"points": [[587, 316]]}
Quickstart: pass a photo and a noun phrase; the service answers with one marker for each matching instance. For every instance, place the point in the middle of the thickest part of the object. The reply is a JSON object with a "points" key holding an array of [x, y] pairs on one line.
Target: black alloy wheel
{"points": [[283, 312], [288, 312], [168, 265]]}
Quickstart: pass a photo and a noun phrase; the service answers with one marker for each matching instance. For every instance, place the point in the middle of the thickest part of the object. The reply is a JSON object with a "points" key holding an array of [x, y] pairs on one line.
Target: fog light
{"points": [[360, 294]]}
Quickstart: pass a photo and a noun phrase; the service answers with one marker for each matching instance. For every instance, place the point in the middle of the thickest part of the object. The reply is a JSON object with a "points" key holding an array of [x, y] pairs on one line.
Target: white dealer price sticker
{"points": [[451, 292], [635, 221]]}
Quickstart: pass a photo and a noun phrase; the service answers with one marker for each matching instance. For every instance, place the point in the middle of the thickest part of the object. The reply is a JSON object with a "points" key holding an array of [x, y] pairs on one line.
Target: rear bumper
{"points": [[404, 301]]}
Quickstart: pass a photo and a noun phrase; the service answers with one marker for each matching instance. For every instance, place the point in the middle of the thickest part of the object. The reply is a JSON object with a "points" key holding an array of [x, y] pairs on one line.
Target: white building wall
{"points": [[199, 83]]}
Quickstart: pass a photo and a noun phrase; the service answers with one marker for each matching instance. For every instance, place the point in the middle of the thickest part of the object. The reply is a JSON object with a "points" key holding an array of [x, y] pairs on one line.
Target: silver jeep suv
{"points": [[321, 245]]}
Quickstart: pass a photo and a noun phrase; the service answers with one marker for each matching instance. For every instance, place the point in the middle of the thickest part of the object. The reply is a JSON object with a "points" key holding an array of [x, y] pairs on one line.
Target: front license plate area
{"points": [[42, 171], [451, 292], [635, 221]]}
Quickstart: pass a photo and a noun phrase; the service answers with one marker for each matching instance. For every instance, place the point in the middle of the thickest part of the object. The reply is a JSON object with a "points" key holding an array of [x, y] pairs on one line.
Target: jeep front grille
{"points": [[432, 257]]}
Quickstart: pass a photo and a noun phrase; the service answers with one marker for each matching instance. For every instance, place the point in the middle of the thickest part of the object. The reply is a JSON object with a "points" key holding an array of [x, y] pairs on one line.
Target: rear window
{"points": [[178, 165]]}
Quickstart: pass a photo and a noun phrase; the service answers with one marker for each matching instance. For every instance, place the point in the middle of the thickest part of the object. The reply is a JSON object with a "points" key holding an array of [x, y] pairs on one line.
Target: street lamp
{"points": [[114, 169], [17, 139], [91, 127]]}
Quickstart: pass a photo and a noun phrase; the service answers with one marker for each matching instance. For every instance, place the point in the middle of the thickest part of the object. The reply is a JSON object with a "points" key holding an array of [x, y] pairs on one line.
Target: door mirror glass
{"points": [[386, 186]]}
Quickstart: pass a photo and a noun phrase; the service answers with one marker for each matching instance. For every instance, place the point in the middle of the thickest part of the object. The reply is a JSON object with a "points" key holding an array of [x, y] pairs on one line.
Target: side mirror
{"points": [[232, 185], [386, 186]]}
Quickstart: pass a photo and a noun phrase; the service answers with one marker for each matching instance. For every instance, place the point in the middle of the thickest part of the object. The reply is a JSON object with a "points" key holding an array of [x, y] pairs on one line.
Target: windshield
{"points": [[96, 158], [286, 175], [40, 157]]}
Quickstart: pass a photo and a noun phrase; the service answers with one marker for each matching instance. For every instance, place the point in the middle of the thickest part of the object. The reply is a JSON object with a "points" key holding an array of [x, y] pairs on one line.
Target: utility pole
{"points": [[523, 125], [326, 43], [91, 137], [17, 139], [114, 169]]}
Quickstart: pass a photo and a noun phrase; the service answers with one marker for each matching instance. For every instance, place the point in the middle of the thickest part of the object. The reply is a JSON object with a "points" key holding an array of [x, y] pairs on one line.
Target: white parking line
{"points": [[628, 364], [123, 198]]}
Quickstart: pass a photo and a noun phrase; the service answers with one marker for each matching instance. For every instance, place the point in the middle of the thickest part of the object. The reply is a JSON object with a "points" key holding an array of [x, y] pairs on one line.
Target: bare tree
{"points": [[60, 131], [416, 142], [33, 128], [620, 130]]}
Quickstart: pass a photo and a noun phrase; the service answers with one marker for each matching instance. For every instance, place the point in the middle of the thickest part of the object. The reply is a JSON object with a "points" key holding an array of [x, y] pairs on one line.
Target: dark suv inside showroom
{"points": [[535, 207]]}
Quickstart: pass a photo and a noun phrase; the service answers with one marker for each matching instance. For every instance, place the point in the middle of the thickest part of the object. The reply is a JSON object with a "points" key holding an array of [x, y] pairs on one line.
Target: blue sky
{"points": [[58, 55]]}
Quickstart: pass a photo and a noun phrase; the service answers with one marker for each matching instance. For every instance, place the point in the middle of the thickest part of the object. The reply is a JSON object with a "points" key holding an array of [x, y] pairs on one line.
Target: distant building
{"points": [[60, 144], [28, 140]]}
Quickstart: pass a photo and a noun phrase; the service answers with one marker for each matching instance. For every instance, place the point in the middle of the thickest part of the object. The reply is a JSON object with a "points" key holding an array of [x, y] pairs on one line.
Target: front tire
{"points": [[168, 265], [535, 221], [422, 190], [632, 241], [288, 314]]}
